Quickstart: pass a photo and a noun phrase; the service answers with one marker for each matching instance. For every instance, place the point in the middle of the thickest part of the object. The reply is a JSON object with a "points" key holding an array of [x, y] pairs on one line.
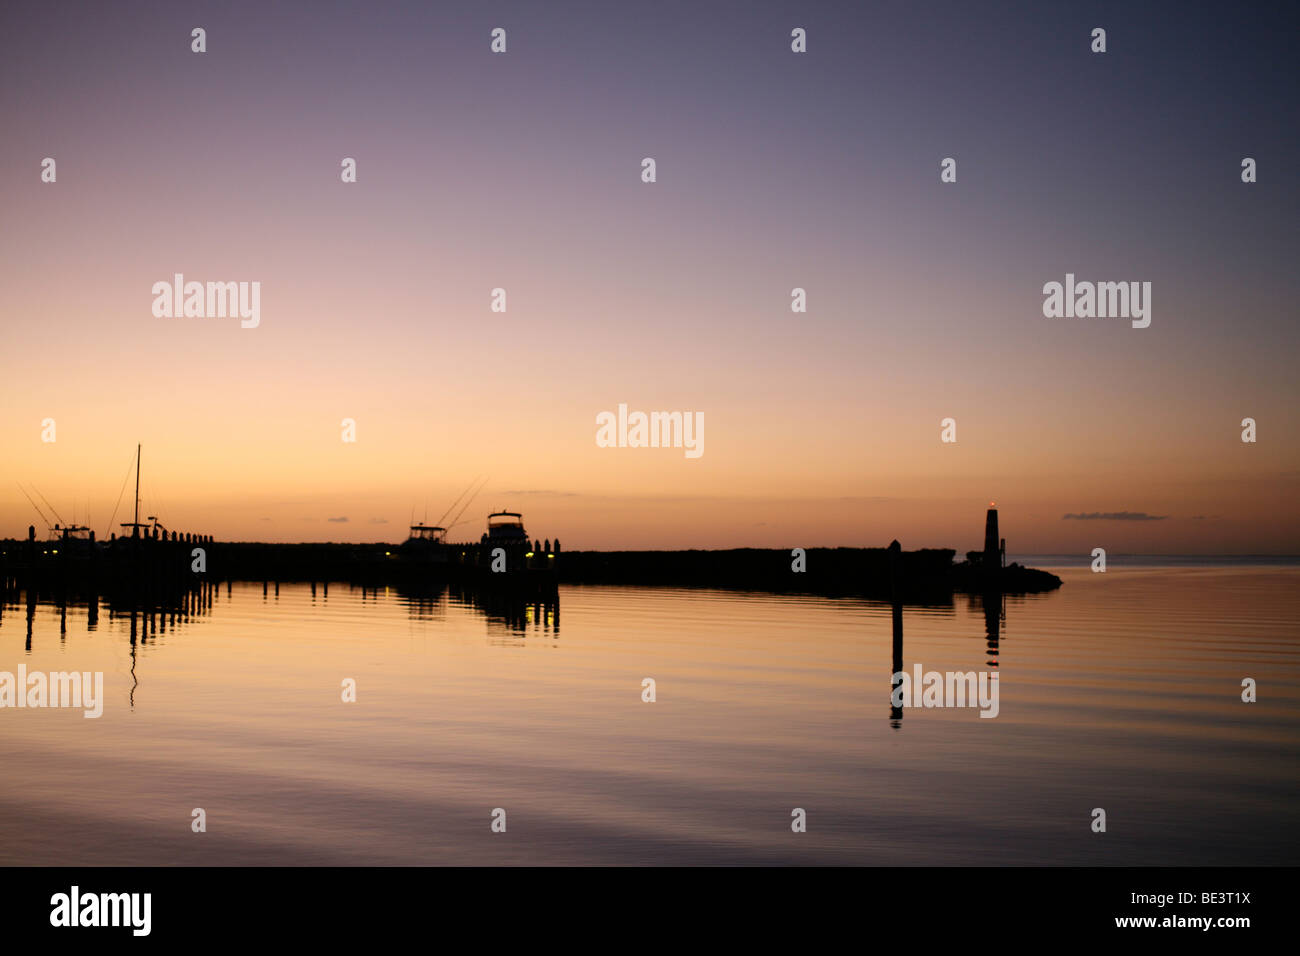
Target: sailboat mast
{"points": [[137, 486]]}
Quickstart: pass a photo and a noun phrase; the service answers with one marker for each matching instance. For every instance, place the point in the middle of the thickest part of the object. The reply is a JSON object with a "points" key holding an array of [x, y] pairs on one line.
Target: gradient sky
{"points": [[775, 170]]}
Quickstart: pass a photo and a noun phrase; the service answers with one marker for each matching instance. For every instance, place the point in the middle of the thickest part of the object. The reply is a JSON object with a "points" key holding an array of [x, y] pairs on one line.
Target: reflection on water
{"points": [[993, 607], [1120, 691], [144, 621], [509, 615]]}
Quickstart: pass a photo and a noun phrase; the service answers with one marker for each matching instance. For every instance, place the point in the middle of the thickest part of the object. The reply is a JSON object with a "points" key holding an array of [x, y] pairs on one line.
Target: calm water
{"points": [[1119, 691]]}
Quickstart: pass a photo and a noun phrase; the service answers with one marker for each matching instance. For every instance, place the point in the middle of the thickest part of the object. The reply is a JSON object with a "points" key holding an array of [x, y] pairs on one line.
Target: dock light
{"points": [[528, 555], [388, 554]]}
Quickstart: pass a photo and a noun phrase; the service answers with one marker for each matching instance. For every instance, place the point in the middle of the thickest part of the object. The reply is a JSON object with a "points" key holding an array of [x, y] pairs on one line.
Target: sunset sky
{"points": [[775, 170]]}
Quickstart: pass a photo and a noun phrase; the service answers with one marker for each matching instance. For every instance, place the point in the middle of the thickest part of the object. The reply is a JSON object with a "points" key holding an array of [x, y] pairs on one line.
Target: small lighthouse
{"points": [[993, 545]]}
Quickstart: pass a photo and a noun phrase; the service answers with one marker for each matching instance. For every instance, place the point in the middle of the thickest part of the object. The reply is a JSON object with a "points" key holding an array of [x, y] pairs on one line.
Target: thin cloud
{"points": [[343, 520], [1113, 516]]}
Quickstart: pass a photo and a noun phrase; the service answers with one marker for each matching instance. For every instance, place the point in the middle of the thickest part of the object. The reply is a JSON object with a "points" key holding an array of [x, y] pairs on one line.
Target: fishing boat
{"points": [[505, 527], [74, 546], [427, 545], [506, 554], [426, 554]]}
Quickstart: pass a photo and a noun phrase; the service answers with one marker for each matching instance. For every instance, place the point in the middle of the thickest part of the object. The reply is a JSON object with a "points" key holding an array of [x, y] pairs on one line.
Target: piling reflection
{"points": [[992, 606], [896, 713], [512, 615], [148, 614]]}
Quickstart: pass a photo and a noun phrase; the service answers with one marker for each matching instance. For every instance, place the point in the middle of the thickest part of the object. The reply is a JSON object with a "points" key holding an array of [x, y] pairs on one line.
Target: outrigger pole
{"points": [[458, 497], [468, 503]]}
